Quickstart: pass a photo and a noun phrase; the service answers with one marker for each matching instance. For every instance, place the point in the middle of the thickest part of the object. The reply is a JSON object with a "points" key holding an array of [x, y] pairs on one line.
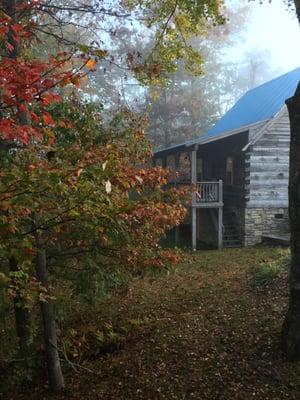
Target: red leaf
{"points": [[10, 47], [17, 28], [22, 108], [47, 119], [34, 117]]}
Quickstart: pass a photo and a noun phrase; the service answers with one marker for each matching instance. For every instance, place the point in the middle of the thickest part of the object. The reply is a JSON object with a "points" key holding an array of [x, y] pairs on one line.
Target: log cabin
{"points": [[238, 170]]}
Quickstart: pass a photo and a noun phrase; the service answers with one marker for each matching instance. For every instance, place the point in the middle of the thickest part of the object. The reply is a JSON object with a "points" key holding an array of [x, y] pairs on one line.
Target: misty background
{"points": [[254, 46]]}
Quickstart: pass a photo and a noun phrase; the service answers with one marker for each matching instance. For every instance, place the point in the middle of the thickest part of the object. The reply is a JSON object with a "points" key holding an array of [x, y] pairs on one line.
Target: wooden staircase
{"points": [[231, 234]]}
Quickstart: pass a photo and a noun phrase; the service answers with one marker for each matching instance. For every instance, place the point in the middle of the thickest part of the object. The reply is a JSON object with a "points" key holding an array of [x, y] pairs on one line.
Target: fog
{"points": [[254, 46], [272, 26]]}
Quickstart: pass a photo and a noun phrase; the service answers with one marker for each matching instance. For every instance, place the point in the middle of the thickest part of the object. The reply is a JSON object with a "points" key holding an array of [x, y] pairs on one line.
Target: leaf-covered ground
{"points": [[205, 331]]}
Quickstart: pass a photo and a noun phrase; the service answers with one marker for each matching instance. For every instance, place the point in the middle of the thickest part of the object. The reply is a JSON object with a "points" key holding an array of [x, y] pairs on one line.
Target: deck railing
{"points": [[208, 192]]}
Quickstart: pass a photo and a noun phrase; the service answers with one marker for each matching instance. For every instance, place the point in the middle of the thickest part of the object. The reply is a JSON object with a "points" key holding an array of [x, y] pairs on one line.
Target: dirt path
{"points": [[203, 332]]}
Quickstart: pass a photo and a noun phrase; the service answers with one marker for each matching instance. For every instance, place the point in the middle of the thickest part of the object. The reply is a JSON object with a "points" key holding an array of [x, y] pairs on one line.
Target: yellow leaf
{"points": [[139, 179], [91, 64]]}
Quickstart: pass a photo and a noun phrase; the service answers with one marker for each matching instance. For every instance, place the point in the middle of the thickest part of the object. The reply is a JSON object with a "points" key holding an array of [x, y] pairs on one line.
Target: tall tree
{"points": [[291, 325], [72, 195]]}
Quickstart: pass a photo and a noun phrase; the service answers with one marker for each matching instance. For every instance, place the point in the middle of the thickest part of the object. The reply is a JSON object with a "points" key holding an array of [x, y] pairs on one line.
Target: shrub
{"points": [[268, 271]]}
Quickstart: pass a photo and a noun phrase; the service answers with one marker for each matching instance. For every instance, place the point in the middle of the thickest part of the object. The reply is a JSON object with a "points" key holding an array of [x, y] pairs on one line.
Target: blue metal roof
{"points": [[259, 104]]}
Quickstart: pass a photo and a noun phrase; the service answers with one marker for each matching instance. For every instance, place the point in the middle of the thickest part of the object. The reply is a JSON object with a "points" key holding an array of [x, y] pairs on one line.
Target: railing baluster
{"points": [[207, 192]]}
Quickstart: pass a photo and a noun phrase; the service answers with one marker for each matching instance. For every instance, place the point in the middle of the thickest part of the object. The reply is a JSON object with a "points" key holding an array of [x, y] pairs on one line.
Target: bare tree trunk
{"points": [[22, 319], [22, 315], [291, 325], [55, 376]]}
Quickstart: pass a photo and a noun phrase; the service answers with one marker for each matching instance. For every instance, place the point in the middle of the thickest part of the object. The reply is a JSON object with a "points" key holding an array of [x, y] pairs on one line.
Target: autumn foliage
{"points": [[74, 187]]}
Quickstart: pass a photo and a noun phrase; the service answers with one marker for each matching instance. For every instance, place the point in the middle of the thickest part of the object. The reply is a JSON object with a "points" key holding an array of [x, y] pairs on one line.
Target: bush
{"points": [[267, 272]]}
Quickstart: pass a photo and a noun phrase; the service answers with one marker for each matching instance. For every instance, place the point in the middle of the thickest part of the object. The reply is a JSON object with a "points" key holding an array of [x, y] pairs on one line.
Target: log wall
{"points": [[267, 165], [266, 184]]}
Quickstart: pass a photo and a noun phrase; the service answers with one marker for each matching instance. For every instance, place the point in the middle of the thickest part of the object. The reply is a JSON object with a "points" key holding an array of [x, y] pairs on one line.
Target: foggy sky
{"points": [[271, 26]]}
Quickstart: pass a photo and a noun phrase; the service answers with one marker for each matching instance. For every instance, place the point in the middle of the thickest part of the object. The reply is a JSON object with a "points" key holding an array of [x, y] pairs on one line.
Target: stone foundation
{"points": [[264, 221]]}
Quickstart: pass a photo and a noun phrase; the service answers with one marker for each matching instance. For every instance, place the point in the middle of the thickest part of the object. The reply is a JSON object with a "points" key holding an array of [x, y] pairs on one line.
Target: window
{"points": [[199, 169], [185, 166], [229, 171], [278, 216], [171, 162], [158, 162]]}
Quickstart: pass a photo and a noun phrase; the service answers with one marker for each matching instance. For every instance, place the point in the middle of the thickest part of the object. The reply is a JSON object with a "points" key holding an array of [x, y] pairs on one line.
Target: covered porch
{"points": [[205, 195], [216, 173]]}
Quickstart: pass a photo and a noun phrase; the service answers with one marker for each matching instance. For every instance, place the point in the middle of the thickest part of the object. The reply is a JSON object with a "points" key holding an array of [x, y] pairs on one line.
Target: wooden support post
{"points": [[220, 216], [220, 191], [220, 228], [194, 173], [194, 167], [194, 228], [194, 209], [177, 167]]}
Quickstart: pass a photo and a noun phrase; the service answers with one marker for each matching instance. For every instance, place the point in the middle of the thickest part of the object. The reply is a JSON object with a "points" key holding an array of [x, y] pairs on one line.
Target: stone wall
{"points": [[262, 221]]}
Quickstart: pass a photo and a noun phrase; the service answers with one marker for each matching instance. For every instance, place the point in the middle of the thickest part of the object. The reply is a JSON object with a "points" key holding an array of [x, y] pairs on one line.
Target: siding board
{"points": [[267, 166]]}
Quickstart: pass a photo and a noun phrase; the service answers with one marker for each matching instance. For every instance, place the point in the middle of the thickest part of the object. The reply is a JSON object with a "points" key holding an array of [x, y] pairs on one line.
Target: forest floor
{"points": [[208, 330]]}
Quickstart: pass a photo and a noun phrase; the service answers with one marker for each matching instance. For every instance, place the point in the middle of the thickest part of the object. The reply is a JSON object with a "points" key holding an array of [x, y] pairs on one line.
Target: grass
{"points": [[207, 330], [268, 271]]}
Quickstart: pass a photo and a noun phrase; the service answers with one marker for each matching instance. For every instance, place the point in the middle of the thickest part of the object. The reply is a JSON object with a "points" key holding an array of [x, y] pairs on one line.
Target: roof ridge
{"points": [[270, 81], [259, 103], [255, 106]]}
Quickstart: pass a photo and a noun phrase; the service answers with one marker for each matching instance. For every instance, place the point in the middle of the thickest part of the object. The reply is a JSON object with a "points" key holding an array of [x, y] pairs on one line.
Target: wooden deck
{"points": [[208, 195]]}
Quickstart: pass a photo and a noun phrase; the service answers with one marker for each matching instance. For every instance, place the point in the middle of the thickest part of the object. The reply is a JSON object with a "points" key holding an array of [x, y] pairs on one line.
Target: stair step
{"points": [[232, 243]]}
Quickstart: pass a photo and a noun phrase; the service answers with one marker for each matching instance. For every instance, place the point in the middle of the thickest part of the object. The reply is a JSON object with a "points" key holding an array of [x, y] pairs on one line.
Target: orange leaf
{"points": [[76, 81], [91, 64], [47, 119]]}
